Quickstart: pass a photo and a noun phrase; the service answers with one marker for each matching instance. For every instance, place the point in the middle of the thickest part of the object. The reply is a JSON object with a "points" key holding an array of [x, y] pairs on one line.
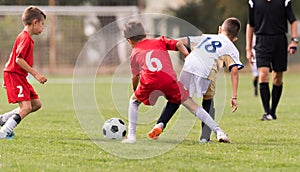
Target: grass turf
{"points": [[52, 139]]}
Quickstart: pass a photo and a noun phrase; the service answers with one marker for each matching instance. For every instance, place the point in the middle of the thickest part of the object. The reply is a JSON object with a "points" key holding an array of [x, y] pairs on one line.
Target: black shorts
{"points": [[271, 51]]}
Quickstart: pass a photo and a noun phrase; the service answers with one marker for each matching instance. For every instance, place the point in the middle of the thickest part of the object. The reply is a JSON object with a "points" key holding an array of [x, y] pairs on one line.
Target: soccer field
{"points": [[52, 139]]}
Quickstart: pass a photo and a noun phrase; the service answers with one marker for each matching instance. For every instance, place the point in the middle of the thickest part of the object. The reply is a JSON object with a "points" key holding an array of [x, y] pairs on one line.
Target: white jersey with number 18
{"points": [[212, 52]]}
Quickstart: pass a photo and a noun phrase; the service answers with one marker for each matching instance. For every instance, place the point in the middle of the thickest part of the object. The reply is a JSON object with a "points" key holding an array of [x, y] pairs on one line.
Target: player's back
{"points": [[150, 59], [209, 49]]}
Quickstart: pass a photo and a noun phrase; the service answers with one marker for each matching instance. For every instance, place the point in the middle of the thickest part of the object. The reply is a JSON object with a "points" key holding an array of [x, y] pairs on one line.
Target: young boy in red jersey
{"points": [[16, 70], [153, 76]]}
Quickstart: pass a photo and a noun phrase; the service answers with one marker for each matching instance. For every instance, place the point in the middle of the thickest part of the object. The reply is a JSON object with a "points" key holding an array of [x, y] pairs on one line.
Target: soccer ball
{"points": [[114, 128]]}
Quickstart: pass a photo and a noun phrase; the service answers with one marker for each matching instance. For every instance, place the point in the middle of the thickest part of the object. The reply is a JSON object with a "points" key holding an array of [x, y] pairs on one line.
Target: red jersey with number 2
{"points": [[151, 61]]}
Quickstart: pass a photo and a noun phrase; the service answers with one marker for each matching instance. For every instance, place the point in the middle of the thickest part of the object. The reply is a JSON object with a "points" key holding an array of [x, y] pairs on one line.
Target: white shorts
{"points": [[194, 84]]}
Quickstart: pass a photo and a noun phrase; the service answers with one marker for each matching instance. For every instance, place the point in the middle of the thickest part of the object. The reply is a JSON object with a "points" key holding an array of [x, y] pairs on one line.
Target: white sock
{"points": [[9, 126], [7, 115], [207, 119], [160, 125], [132, 118]]}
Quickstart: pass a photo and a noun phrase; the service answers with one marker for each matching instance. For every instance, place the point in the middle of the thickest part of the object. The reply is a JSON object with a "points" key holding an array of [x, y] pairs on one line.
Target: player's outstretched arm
{"points": [[234, 85], [182, 49], [24, 65]]}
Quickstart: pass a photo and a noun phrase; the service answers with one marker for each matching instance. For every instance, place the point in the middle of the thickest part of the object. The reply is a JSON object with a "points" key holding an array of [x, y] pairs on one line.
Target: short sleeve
{"points": [[170, 43], [23, 47]]}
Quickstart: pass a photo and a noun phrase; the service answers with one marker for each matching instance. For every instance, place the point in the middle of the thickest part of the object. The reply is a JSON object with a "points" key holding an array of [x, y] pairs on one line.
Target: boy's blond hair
{"points": [[31, 13]]}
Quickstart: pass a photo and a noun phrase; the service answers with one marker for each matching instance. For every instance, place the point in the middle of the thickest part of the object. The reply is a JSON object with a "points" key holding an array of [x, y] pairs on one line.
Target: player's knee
{"points": [[26, 109], [36, 106], [277, 82]]}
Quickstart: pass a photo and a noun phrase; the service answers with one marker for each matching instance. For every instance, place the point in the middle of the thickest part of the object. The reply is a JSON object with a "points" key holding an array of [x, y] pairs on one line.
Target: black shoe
{"points": [[266, 117], [274, 116]]}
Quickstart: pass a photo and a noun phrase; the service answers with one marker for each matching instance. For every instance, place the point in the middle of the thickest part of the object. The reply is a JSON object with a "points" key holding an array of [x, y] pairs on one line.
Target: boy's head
{"points": [[134, 31], [231, 27], [32, 13]]}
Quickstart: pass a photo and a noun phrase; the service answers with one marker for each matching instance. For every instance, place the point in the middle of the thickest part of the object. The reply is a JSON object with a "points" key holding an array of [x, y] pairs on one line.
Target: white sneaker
{"points": [[129, 140], [222, 137]]}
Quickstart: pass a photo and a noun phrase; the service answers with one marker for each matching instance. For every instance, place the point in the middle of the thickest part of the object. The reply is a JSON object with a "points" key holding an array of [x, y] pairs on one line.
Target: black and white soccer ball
{"points": [[114, 128]]}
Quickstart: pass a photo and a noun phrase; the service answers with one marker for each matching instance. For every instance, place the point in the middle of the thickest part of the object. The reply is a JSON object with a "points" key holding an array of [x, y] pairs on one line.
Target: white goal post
{"points": [[66, 31]]}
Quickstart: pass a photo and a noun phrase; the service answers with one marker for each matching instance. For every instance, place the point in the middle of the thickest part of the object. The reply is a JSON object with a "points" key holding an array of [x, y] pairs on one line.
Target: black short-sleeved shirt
{"points": [[269, 17]]}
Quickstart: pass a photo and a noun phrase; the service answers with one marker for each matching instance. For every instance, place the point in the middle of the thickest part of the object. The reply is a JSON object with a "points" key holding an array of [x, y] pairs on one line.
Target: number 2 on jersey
{"points": [[20, 91], [212, 47]]}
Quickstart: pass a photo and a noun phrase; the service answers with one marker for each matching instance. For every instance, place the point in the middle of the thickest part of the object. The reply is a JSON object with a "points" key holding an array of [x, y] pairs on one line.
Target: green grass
{"points": [[52, 139]]}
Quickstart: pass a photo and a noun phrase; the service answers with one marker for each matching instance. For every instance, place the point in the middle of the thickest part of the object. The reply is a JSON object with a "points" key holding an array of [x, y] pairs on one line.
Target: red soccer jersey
{"points": [[23, 48], [151, 61]]}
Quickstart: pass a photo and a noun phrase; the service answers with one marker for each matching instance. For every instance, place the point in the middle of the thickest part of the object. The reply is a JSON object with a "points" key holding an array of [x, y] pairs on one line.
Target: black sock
{"points": [[208, 106], [276, 94], [265, 96], [17, 118], [255, 82], [168, 113]]}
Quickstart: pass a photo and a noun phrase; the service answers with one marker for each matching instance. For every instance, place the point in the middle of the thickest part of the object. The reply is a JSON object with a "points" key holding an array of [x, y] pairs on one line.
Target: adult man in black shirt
{"points": [[268, 19]]}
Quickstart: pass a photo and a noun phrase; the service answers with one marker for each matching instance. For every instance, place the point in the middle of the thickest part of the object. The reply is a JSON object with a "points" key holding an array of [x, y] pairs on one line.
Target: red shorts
{"points": [[17, 88], [171, 89]]}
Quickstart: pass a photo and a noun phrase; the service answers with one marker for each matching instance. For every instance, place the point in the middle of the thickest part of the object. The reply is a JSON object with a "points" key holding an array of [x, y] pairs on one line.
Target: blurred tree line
{"points": [[69, 2], [206, 15]]}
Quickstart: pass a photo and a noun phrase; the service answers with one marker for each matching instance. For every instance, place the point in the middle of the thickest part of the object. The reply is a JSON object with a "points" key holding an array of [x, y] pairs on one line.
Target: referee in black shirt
{"points": [[268, 19]]}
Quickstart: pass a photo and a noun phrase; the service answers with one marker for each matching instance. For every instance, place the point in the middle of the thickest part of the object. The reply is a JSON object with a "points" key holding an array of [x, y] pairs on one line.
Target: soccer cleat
{"points": [[266, 117], [222, 137], [1, 121], [274, 116], [9, 136], [154, 133], [129, 140]]}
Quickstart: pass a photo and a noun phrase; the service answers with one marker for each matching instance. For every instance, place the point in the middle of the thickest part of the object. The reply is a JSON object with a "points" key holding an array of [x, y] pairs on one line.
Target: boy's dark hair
{"points": [[134, 30], [31, 13], [232, 27]]}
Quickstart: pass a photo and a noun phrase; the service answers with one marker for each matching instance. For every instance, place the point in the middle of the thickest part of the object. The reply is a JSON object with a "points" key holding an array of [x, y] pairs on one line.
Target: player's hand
{"points": [[234, 104], [250, 56], [41, 78], [292, 49]]}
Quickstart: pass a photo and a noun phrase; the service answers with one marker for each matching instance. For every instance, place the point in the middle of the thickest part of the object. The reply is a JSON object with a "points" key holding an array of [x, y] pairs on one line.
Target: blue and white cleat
{"points": [[9, 136]]}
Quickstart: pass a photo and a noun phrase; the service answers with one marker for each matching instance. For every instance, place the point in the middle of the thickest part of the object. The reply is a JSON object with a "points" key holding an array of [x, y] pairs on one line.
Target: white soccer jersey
{"points": [[212, 52]]}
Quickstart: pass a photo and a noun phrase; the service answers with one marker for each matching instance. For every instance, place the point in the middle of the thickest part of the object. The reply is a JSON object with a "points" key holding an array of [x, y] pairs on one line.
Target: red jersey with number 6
{"points": [[151, 61], [23, 48]]}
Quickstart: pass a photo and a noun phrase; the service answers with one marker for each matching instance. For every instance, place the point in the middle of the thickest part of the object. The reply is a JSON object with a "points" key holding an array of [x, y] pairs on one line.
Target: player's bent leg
{"points": [[36, 104], [208, 106], [132, 120], [25, 108], [201, 114]]}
